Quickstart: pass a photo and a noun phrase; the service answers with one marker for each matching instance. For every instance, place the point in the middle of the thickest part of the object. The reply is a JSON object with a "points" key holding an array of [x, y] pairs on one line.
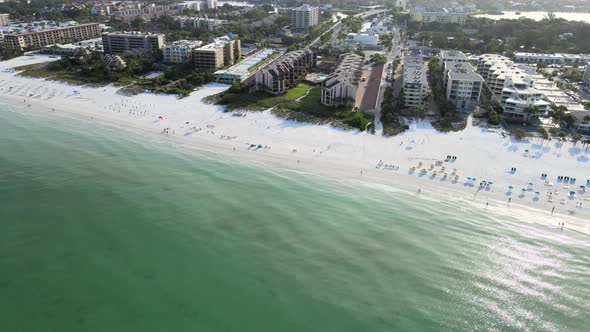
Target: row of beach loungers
{"points": [[387, 167]]}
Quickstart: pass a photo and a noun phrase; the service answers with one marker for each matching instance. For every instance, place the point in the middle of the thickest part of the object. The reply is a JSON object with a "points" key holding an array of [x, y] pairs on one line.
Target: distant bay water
{"points": [[102, 231], [537, 16]]}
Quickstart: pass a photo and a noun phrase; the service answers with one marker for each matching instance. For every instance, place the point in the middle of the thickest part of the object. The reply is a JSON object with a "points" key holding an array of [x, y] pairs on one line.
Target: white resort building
{"points": [[132, 41], [461, 82], [552, 58], [513, 87], [241, 71], [180, 51], [443, 15], [304, 17], [198, 22], [415, 82], [340, 87]]}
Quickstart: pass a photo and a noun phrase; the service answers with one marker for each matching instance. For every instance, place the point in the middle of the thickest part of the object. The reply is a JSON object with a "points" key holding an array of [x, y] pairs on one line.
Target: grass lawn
{"points": [[298, 91], [310, 109], [260, 101]]}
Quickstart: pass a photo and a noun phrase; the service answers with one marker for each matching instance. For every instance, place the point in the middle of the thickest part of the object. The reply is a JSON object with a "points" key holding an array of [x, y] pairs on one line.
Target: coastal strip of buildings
{"points": [[37, 36]]}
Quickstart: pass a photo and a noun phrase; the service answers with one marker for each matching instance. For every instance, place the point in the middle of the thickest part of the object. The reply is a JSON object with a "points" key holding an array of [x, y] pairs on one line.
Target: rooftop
{"points": [[462, 71], [243, 68], [132, 33], [452, 55], [415, 71], [37, 26]]}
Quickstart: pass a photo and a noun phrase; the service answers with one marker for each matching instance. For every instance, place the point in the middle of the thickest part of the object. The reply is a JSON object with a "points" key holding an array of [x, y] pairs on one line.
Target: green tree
{"points": [[576, 138], [520, 134], [569, 119], [494, 118], [137, 23]]}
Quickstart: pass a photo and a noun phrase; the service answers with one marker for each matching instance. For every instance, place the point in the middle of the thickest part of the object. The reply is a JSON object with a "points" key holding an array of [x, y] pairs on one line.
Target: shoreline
{"points": [[336, 161]]}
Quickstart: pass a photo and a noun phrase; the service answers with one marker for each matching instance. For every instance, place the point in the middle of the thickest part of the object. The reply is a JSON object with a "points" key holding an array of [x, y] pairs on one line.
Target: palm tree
{"points": [[530, 113], [576, 138]]}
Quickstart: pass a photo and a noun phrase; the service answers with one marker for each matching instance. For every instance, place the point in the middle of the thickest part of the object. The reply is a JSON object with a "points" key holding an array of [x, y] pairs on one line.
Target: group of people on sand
{"points": [[166, 131], [131, 108]]}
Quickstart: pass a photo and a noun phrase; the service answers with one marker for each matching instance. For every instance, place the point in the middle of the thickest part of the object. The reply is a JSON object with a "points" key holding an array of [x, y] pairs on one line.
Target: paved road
{"points": [[396, 51]]}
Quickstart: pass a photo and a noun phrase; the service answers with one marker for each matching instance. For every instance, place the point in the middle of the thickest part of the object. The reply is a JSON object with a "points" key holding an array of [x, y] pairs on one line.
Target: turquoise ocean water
{"points": [[102, 232]]}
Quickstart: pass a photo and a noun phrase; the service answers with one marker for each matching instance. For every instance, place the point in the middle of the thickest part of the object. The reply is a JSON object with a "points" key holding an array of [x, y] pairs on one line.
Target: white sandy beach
{"points": [[327, 151]]}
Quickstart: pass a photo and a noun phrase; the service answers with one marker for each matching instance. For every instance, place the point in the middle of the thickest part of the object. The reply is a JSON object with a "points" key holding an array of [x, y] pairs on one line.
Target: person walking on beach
{"points": [[553, 209], [509, 200]]}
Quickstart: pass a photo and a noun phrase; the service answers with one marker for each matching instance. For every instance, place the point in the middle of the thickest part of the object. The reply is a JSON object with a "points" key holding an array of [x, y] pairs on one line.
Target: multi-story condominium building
{"points": [[582, 120], [286, 71], [451, 55], [304, 17], [284, 11], [211, 4], [220, 53], [554, 58], [502, 77], [587, 75], [240, 72], [513, 87], [4, 19], [32, 40], [199, 22], [340, 88], [148, 12], [114, 62], [132, 41], [442, 16], [519, 100], [415, 82], [488, 63], [192, 5], [180, 51], [368, 41], [463, 85]]}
